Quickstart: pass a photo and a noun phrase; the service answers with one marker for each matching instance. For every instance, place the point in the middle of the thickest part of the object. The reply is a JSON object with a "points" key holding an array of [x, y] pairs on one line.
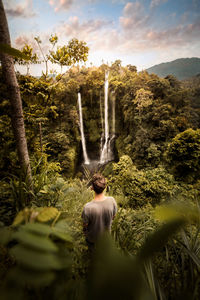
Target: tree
{"points": [[143, 99], [132, 68], [116, 66], [53, 40], [13, 93], [183, 154], [74, 52], [31, 58]]}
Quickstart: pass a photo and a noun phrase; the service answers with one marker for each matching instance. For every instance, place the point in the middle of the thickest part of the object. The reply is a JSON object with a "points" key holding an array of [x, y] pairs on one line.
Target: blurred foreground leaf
{"points": [[34, 259], [175, 211], [12, 51], [35, 241], [159, 238]]}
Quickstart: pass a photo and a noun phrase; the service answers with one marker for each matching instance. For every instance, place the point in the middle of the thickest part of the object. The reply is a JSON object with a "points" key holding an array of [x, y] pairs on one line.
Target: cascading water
{"points": [[113, 114], [85, 156], [102, 124], [111, 140], [108, 133], [106, 152]]}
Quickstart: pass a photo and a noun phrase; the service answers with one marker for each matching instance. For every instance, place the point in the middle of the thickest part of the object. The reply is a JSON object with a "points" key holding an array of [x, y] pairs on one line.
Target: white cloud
{"points": [[90, 31], [60, 5], [135, 35], [155, 3], [23, 10], [133, 17]]}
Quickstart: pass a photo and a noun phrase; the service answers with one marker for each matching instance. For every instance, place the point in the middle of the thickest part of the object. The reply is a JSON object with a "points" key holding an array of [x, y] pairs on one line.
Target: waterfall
{"points": [[106, 153], [85, 156], [102, 124], [113, 115]]}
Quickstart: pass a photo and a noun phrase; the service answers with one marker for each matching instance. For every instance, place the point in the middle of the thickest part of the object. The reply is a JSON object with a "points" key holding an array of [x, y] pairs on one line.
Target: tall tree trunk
{"points": [[13, 90]]}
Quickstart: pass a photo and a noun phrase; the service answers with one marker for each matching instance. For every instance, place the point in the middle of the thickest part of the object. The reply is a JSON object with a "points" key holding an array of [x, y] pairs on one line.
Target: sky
{"points": [[141, 33]]}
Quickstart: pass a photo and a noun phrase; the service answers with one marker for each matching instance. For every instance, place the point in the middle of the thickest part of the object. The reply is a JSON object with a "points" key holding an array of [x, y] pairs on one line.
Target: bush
{"points": [[139, 187], [183, 155], [131, 227]]}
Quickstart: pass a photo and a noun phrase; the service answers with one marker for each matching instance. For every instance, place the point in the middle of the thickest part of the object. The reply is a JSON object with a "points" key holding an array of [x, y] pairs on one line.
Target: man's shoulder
{"points": [[88, 204], [110, 198]]}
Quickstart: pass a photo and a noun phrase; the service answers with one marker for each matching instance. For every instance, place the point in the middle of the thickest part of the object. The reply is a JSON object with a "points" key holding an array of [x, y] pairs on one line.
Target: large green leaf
{"points": [[63, 236], [41, 229], [62, 225], [47, 214], [4, 48], [32, 278], [35, 241], [35, 260], [159, 238], [5, 236]]}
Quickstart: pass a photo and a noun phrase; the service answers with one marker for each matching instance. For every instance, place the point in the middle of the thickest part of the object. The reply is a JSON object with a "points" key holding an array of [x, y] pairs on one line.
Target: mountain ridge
{"points": [[181, 68]]}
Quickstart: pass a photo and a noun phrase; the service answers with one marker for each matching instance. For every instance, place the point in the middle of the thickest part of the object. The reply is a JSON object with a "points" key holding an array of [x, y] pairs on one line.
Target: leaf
{"points": [[5, 236], [31, 277], [34, 259], [63, 236], [194, 257], [41, 229], [36, 241], [62, 225], [18, 219], [171, 212], [159, 238], [4, 48], [47, 214], [164, 213]]}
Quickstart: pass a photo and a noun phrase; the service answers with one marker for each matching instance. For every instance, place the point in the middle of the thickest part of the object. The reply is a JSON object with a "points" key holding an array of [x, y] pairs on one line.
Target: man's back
{"points": [[98, 216]]}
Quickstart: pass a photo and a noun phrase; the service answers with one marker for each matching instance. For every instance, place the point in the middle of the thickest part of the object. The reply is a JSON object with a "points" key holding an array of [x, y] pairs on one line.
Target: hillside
{"points": [[181, 68]]}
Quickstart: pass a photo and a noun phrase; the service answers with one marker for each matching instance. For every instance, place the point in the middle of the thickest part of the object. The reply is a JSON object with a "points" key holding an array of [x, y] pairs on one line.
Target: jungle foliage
{"points": [[156, 163]]}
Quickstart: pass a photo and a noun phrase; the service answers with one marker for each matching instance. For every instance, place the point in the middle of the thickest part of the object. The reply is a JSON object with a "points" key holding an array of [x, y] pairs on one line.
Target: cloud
{"points": [[155, 3], [23, 10], [60, 5], [135, 34], [133, 16], [23, 39], [88, 31], [176, 37]]}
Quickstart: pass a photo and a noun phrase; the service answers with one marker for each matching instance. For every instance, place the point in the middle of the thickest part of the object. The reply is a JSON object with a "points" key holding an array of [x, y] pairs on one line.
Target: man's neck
{"points": [[99, 197]]}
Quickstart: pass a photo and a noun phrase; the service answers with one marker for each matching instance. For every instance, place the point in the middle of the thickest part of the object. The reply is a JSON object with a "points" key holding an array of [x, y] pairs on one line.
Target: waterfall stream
{"points": [[108, 132], [85, 156], [106, 152]]}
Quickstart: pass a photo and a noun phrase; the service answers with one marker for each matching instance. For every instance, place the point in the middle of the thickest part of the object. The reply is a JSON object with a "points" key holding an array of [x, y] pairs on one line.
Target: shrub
{"points": [[140, 187], [183, 155], [131, 227]]}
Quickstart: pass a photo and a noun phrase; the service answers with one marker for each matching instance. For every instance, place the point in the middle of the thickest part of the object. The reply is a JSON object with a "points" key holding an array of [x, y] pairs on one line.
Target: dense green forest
{"points": [[157, 161], [153, 172]]}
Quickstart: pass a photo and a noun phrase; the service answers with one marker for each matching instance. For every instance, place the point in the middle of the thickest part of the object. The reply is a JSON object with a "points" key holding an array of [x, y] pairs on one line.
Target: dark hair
{"points": [[98, 183]]}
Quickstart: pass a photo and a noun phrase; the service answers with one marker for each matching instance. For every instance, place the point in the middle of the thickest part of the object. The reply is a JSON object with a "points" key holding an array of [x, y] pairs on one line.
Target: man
{"points": [[98, 214]]}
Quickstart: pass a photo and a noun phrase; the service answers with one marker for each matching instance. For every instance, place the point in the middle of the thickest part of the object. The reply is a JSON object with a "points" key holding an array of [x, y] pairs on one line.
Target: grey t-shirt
{"points": [[98, 216]]}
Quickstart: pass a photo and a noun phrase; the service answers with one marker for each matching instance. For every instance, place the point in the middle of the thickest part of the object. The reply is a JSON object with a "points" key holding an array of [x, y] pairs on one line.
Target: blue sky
{"points": [[141, 33]]}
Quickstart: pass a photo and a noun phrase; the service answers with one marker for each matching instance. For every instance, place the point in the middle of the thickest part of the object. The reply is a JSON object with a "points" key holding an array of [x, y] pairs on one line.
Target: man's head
{"points": [[98, 183]]}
